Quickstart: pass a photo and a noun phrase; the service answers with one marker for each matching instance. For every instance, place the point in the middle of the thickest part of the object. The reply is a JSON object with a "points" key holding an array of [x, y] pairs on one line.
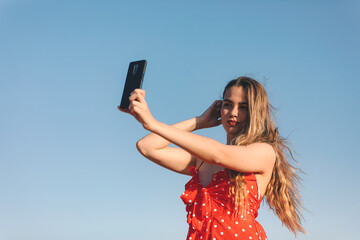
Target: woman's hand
{"points": [[139, 109], [211, 117]]}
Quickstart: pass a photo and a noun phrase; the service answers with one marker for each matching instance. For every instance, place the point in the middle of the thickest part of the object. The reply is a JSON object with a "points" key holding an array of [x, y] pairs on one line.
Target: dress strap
{"points": [[200, 165]]}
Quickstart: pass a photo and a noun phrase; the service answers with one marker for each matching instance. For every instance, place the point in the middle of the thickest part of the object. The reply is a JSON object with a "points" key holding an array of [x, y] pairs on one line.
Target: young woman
{"points": [[229, 180]]}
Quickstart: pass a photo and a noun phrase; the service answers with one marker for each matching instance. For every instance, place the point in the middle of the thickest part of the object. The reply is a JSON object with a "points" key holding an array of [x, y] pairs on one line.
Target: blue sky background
{"points": [[69, 168]]}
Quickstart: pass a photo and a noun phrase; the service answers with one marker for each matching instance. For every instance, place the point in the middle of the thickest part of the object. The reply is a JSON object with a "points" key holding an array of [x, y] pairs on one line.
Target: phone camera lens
{"points": [[135, 69]]}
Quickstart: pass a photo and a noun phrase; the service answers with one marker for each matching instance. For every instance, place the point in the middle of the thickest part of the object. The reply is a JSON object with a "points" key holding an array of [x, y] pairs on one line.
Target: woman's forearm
{"points": [[154, 141], [203, 148]]}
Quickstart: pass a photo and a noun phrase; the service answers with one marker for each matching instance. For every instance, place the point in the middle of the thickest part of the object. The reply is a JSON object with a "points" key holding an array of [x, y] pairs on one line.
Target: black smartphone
{"points": [[134, 79]]}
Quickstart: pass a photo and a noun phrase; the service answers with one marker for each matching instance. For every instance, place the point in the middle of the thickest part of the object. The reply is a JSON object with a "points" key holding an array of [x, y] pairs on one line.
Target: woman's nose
{"points": [[234, 112]]}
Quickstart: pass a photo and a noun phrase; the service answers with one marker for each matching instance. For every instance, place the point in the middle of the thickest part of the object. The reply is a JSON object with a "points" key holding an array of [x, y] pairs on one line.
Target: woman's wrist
{"points": [[198, 123], [155, 124], [189, 125]]}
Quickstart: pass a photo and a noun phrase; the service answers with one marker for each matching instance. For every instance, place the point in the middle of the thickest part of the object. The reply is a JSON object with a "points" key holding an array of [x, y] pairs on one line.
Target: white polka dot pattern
{"points": [[211, 211]]}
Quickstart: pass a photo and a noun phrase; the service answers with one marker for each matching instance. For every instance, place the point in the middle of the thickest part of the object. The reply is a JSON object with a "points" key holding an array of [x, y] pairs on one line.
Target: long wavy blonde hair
{"points": [[282, 193]]}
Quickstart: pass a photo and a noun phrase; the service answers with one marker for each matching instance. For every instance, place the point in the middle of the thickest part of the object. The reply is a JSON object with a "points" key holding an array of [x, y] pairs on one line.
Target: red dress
{"points": [[211, 214]]}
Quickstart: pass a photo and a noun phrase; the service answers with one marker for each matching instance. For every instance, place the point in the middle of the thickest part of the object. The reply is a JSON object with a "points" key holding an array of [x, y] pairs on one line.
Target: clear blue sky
{"points": [[69, 168]]}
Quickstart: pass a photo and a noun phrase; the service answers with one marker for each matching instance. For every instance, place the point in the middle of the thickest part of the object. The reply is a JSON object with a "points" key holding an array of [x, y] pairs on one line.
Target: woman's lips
{"points": [[232, 122]]}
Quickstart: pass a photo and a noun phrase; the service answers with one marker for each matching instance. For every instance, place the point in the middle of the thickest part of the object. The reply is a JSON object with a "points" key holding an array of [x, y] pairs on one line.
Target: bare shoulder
{"points": [[264, 148], [261, 149]]}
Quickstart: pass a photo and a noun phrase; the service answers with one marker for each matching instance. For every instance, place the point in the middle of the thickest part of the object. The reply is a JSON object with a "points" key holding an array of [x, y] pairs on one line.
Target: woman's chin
{"points": [[233, 131]]}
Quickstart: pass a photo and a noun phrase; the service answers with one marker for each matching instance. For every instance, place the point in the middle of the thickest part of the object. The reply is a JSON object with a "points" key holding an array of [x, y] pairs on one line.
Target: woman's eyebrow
{"points": [[241, 103]]}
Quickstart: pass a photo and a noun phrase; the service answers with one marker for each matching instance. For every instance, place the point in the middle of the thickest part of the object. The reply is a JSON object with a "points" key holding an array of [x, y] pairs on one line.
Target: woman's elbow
{"points": [[215, 160], [140, 147]]}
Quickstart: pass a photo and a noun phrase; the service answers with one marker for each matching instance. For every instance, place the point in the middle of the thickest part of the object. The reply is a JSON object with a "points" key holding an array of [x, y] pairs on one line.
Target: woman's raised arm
{"points": [[257, 157], [192, 146], [156, 149]]}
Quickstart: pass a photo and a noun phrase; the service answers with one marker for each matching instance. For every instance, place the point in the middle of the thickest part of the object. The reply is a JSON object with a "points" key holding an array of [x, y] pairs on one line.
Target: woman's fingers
{"points": [[218, 103], [133, 96], [137, 94], [134, 104], [215, 107], [141, 96], [136, 109], [218, 106], [140, 91]]}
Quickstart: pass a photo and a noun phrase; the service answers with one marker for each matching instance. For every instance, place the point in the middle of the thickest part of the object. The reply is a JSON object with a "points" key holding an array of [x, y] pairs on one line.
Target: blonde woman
{"points": [[228, 180]]}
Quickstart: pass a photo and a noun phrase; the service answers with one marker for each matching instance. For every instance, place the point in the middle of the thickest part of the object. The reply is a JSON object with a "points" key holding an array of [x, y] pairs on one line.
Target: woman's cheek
{"points": [[222, 115], [223, 112]]}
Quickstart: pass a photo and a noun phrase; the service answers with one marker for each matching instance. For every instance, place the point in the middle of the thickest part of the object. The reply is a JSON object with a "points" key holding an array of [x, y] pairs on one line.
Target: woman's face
{"points": [[234, 111]]}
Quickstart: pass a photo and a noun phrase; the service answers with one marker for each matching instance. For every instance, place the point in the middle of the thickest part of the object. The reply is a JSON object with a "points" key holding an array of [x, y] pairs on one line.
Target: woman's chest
{"points": [[206, 173]]}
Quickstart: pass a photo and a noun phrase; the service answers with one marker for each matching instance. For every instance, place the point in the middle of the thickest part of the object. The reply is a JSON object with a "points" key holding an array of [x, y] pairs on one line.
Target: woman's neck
{"points": [[229, 138]]}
